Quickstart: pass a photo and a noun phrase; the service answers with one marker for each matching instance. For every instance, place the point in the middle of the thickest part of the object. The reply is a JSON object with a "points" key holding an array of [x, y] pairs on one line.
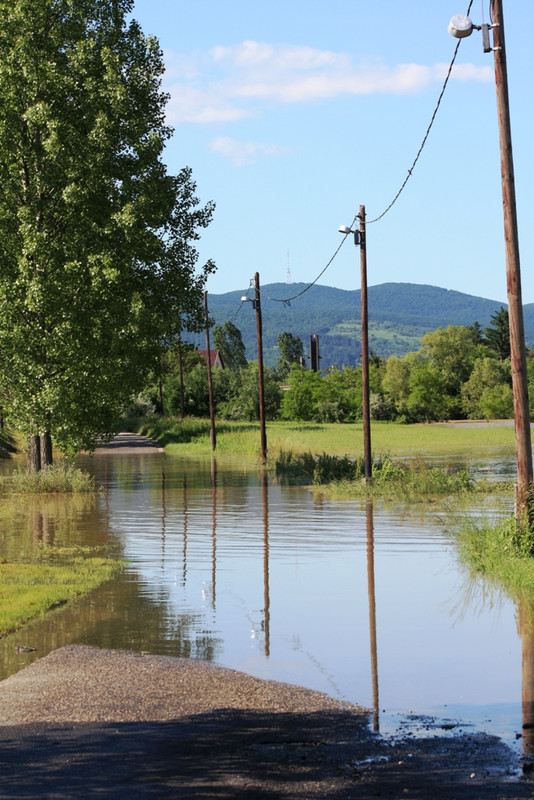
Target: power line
{"points": [[287, 300], [423, 143]]}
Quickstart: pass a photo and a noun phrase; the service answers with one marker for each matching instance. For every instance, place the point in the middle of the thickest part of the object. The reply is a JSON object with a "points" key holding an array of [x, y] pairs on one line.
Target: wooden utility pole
{"points": [[213, 435], [181, 376], [513, 274], [366, 413], [257, 306]]}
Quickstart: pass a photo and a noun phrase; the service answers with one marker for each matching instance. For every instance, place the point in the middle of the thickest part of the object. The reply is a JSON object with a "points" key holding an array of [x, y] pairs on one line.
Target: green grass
{"points": [[499, 553], [409, 481], [191, 437], [61, 477], [28, 591]]}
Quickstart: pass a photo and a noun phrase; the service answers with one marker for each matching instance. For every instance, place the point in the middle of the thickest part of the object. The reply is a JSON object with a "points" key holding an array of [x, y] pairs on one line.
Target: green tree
{"points": [[96, 260], [244, 397], [497, 335], [291, 352], [487, 380], [453, 351], [228, 340], [427, 399], [396, 382], [298, 403]]}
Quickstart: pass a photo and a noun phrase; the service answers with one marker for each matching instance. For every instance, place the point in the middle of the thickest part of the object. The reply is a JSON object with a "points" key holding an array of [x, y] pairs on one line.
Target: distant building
{"points": [[215, 358]]}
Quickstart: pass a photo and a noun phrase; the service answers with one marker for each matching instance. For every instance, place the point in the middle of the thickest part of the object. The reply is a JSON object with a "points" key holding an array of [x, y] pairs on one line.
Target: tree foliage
{"points": [[497, 335], [97, 267], [291, 352], [228, 340]]}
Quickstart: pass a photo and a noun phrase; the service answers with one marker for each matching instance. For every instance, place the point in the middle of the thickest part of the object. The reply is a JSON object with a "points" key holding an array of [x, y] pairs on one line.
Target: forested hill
{"points": [[399, 315]]}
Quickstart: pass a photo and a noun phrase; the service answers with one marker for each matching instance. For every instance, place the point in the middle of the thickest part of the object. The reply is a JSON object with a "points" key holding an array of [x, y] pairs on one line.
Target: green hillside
{"points": [[399, 315]]}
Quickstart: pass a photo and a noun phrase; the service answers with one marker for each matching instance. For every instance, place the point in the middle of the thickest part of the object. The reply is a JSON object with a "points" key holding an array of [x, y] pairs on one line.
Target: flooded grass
{"points": [[409, 481], [58, 478], [499, 552], [28, 591]]}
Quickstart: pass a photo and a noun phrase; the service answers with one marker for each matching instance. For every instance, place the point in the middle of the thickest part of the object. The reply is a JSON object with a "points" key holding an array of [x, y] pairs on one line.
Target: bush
{"points": [[57, 478]]}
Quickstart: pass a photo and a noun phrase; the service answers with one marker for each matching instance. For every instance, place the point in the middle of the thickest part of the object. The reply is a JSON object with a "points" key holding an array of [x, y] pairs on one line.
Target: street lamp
{"points": [[459, 27], [359, 240], [261, 385]]}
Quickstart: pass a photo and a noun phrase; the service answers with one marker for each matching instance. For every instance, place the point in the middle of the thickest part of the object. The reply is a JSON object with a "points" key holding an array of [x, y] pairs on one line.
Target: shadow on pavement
{"points": [[247, 754]]}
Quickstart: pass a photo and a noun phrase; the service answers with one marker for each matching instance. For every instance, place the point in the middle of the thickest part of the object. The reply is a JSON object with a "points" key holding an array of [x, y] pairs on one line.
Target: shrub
{"points": [[60, 477]]}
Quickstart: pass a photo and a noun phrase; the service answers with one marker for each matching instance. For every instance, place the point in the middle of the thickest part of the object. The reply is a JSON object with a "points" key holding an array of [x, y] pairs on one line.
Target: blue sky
{"points": [[293, 114]]}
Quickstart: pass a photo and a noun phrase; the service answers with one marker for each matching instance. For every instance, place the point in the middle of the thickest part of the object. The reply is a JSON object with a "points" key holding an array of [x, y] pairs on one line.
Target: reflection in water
{"points": [[266, 592], [278, 581], [526, 629], [184, 549], [213, 529], [372, 609]]}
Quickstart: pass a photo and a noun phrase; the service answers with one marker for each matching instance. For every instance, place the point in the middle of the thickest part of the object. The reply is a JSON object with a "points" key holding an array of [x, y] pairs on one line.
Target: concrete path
{"points": [[130, 443], [83, 722]]}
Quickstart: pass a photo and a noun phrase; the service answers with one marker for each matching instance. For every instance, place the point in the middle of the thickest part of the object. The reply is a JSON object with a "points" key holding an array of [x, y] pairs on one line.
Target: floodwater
{"points": [[364, 601]]}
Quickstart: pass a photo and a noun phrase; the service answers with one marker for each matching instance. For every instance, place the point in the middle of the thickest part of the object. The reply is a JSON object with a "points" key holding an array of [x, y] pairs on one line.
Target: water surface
{"points": [[366, 602]]}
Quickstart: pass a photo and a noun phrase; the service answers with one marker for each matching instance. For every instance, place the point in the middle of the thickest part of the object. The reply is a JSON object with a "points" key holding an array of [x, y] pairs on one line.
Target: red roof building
{"points": [[215, 358]]}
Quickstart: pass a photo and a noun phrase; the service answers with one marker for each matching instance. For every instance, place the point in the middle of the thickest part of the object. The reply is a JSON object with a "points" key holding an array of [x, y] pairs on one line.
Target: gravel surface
{"points": [[85, 722]]}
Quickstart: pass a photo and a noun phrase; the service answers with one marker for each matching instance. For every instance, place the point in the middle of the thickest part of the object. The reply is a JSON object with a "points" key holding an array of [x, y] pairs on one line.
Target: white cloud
{"points": [[230, 83], [188, 104], [244, 153]]}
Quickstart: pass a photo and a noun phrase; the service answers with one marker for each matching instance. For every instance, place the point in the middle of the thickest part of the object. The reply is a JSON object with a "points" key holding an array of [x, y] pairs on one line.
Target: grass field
{"points": [[242, 439]]}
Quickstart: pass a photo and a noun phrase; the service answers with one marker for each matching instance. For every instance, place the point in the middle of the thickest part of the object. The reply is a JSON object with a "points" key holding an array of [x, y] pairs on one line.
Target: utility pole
{"points": [[461, 26], [513, 274], [366, 412], [213, 435], [359, 240], [314, 352], [261, 385]]}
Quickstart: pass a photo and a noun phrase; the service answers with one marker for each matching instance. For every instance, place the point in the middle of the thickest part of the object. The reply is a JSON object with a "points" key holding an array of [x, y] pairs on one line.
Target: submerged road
{"points": [[125, 442]]}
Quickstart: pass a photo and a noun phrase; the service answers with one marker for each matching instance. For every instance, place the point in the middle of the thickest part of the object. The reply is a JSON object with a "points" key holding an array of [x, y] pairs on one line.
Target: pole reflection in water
{"points": [[526, 630], [186, 518], [372, 609], [266, 597], [163, 515], [213, 531]]}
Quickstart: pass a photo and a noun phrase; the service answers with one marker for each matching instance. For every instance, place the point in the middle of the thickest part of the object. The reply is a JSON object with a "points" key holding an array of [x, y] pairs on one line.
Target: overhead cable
{"points": [[423, 143]]}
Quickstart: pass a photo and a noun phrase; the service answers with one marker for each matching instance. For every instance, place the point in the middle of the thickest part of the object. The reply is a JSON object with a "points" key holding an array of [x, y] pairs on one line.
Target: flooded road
{"points": [[363, 601]]}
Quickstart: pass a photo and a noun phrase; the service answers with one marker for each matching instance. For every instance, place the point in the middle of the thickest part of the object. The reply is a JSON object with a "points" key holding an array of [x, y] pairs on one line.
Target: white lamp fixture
{"points": [[460, 26], [345, 230]]}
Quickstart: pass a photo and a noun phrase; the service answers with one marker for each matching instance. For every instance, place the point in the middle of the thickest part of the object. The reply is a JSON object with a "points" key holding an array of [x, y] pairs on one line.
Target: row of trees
{"points": [[98, 272], [459, 372]]}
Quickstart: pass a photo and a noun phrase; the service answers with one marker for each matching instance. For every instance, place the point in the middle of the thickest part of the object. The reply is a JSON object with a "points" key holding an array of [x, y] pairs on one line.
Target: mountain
{"points": [[399, 315]]}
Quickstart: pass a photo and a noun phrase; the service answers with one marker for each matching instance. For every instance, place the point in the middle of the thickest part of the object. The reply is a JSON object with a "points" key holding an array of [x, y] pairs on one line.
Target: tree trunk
{"points": [[46, 449], [33, 463]]}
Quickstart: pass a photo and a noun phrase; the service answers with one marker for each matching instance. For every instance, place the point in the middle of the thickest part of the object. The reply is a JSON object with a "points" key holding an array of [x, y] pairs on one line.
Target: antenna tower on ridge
{"points": [[288, 273]]}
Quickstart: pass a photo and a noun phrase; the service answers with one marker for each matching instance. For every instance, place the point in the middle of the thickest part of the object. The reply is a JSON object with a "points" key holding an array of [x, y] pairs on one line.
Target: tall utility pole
{"points": [[359, 240], [366, 412], [213, 435], [513, 273], [261, 385], [461, 26]]}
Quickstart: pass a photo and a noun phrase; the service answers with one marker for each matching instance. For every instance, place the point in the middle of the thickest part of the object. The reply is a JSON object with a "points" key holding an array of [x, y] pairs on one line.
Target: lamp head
{"points": [[460, 26], [344, 229]]}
